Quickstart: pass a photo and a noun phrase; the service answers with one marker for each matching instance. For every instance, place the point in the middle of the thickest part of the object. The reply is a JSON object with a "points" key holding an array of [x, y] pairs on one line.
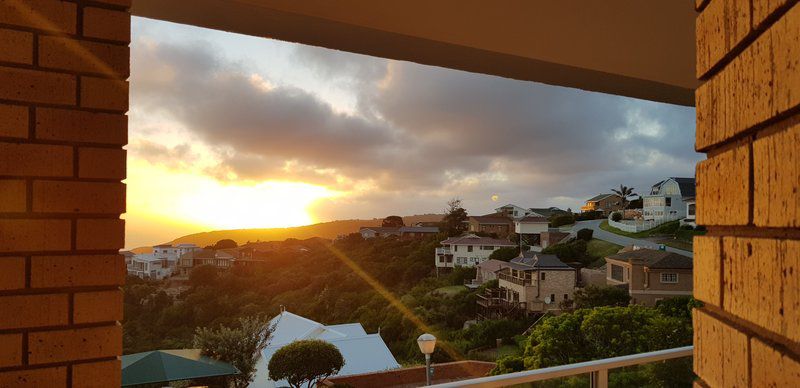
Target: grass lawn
{"points": [[598, 249], [494, 353], [449, 290], [672, 235]]}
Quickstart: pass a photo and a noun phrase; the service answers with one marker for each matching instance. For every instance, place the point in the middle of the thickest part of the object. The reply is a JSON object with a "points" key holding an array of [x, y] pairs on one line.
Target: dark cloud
{"points": [[420, 134]]}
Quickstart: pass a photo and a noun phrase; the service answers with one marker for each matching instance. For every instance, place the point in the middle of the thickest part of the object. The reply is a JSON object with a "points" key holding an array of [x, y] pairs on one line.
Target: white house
{"points": [[514, 211], [667, 199], [173, 253], [467, 251], [530, 229], [378, 231], [148, 266], [690, 213], [362, 352]]}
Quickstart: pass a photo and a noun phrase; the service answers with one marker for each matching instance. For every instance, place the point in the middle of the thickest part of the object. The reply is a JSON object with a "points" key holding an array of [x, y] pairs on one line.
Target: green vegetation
{"points": [[599, 249], [585, 234], [561, 219], [594, 296], [305, 362], [240, 346], [449, 290], [670, 234], [454, 218], [504, 254], [588, 254]]}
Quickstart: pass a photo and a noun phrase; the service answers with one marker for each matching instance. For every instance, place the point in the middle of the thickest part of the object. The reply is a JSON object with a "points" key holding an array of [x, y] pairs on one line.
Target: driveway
{"points": [[621, 240]]}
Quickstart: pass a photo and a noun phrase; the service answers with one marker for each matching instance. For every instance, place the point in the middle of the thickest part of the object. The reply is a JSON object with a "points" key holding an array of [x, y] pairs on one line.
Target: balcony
{"points": [[443, 251], [597, 370], [515, 280]]}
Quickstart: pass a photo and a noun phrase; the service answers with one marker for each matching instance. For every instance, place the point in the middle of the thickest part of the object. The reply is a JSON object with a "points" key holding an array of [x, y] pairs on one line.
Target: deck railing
{"points": [[515, 280], [597, 370]]}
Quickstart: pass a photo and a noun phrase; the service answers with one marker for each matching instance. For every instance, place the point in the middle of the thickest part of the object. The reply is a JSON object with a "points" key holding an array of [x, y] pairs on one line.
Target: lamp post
{"points": [[427, 343]]}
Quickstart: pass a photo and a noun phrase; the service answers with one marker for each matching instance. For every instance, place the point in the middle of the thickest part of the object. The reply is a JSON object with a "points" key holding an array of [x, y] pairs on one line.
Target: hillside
{"points": [[325, 230]]}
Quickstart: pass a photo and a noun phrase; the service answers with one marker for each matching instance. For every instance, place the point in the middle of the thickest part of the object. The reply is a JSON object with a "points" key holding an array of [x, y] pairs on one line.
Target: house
{"points": [[467, 251], [605, 203], [486, 271], [690, 212], [362, 352], [378, 231], [650, 275], [667, 199], [547, 211], [414, 232], [552, 237], [497, 223], [149, 266], [217, 258], [516, 212], [532, 283], [530, 228]]}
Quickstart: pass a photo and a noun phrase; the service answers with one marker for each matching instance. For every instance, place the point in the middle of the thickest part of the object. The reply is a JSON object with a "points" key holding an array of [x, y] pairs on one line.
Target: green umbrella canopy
{"points": [[170, 365]]}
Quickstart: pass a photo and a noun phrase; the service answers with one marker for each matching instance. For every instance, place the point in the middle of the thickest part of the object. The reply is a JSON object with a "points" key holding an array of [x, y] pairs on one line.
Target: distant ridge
{"points": [[327, 230]]}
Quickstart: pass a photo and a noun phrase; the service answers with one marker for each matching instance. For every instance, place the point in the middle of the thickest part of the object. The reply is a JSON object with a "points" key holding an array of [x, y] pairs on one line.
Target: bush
{"points": [[616, 217], [687, 227], [504, 254], [590, 215], [585, 234], [305, 362], [561, 219], [597, 296], [571, 251]]}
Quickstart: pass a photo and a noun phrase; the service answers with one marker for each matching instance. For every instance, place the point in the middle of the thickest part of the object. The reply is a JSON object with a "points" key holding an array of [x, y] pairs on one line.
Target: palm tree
{"points": [[624, 193]]}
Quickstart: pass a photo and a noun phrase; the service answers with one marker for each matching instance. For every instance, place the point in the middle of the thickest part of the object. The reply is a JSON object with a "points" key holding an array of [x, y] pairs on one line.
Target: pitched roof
{"points": [[547, 212], [472, 239], [687, 186], [535, 260], [652, 258], [494, 218], [161, 366], [381, 229], [492, 265], [533, 219], [419, 229], [599, 197]]}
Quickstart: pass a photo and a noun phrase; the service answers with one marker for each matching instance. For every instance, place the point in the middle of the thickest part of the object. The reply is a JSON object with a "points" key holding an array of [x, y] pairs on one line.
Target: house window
{"points": [[566, 296], [455, 248], [469, 248], [668, 201], [449, 259], [669, 278], [616, 273], [543, 275], [552, 298]]}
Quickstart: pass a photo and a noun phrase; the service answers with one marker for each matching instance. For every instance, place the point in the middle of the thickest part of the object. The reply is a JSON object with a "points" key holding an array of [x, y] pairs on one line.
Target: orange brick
{"points": [[46, 377], [78, 197], [97, 374], [100, 306], [13, 121], [720, 27], [12, 273], [10, 350], [723, 191], [776, 164], [49, 15], [73, 125], [707, 270], [37, 86], [101, 163], [77, 271], [101, 234], [762, 9], [12, 195], [76, 344], [757, 85], [83, 56], [791, 289], [34, 235], [123, 3], [16, 46], [756, 287], [35, 160], [107, 24], [771, 368], [104, 93], [34, 310], [721, 352]]}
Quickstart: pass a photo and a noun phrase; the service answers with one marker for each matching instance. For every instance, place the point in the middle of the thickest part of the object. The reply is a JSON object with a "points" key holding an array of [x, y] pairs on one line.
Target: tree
{"points": [[305, 362], [585, 234], [624, 192], [597, 296], [240, 346], [455, 218], [392, 222], [616, 216], [225, 244], [504, 254]]}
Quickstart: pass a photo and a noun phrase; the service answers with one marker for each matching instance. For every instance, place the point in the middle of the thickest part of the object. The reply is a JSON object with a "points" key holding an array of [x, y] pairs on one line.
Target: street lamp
{"points": [[427, 343]]}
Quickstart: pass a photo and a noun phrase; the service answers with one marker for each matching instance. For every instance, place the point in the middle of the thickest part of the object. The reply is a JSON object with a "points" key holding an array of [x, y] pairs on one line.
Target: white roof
{"points": [[362, 352]]}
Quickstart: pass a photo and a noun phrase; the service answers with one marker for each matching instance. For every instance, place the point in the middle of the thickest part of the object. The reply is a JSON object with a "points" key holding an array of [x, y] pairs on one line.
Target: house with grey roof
{"points": [[667, 199], [604, 203], [650, 275], [530, 284], [403, 232], [467, 251]]}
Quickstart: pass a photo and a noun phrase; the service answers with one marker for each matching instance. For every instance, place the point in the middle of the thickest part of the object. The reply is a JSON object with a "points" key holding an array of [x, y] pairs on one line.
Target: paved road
{"points": [[621, 240]]}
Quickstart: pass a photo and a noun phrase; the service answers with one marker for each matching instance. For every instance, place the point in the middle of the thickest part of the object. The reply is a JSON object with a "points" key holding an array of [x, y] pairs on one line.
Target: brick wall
{"points": [[748, 123], [63, 98]]}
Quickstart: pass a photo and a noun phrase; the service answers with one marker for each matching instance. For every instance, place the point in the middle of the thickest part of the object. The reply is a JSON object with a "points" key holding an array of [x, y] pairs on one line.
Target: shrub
{"points": [[687, 227], [597, 296], [585, 234], [241, 347], [305, 362], [616, 216], [504, 254], [562, 219]]}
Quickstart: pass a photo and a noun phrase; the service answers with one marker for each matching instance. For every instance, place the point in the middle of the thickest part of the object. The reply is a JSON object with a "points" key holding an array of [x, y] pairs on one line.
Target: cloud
{"points": [[419, 134]]}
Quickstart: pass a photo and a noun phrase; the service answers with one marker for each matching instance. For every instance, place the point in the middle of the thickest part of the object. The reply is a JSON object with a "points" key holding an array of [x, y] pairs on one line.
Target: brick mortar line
{"points": [[56, 364], [751, 231], [98, 4], [778, 342], [60, 216], [64, 179], [57, 290], [54, 70], [62, 34], [78, 252], [18, 140], [766, 128], [61, 106], [44, 329], [752, 35]]}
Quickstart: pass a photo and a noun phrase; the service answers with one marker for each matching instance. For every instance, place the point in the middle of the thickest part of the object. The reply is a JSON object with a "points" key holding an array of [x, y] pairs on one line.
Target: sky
{"points": [[230, 131]]}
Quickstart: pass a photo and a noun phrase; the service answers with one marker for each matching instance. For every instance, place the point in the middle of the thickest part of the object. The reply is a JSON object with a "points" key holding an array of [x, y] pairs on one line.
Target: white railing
{"points": [[597, 370], [443, 251], [641, 225]]}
